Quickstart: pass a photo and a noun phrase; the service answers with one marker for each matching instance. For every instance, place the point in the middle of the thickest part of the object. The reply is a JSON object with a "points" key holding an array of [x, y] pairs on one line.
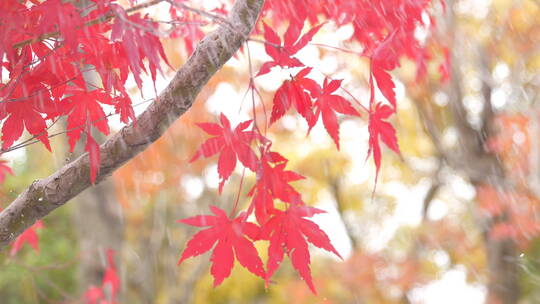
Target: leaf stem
{"points": [[235, 207]]}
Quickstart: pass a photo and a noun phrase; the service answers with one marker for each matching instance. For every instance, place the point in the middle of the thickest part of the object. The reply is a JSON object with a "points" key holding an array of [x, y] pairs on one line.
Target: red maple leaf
{"points": [[231, 144], [191, 29], [138, 36], [282, 54], [295, 92], [110, 60], [93, 295], [385, 84], [123, 106], [328, 104], [24, 101], [22, 115], [111, 282], [380, 129], [384, 58], [28, 236], [85, 111], [272, 183], [230, 235], [445, 67], [59, 15], [289, 232]]}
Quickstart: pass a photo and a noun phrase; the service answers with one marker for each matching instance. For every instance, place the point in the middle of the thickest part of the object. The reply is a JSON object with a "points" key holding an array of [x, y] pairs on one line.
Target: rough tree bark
{"points": [[45, 195]]}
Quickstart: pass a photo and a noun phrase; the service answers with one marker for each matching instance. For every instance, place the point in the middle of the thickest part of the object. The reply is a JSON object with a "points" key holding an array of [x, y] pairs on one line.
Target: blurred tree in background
{"points": [[454, 220]]}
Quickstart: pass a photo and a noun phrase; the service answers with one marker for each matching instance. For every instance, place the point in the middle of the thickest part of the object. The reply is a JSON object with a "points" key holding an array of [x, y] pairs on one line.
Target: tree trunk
{"points": [[503, 285], [98, 220], [471, 158]]}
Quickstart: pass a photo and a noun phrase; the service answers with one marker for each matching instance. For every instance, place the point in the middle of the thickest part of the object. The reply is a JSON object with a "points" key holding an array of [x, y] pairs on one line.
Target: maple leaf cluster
{"points": [[385, 28], [386, 31], [286, 227], [234, 236], [47, 48]]}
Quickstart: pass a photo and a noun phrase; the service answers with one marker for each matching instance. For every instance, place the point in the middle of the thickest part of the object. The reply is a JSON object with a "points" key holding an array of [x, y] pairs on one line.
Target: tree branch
{"points": [[488, 114], [335, 190], [43, 196], [433, 190]]}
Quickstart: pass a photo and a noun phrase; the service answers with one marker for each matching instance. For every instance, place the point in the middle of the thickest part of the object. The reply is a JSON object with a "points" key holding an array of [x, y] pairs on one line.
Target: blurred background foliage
{"points": [[429, 234]]}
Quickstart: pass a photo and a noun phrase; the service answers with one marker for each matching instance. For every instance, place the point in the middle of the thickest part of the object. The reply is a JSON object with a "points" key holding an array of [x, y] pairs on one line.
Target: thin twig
{"points": [[199, 12], [95, 21], [337, 48]]}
